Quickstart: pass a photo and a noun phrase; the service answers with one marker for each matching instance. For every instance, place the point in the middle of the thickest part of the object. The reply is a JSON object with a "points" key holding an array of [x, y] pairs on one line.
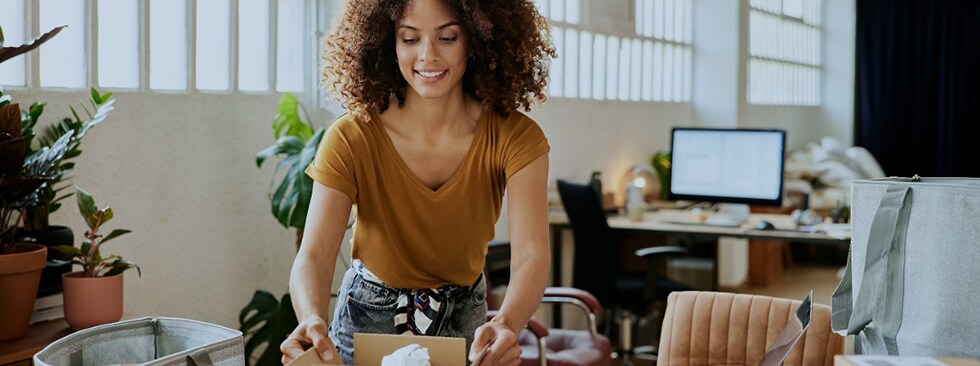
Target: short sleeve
{"points": [[525, 144], [333, 165]]}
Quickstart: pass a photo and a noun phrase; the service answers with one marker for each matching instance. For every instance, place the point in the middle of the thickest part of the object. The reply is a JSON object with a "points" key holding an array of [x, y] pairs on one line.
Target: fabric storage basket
{"points": [[147, 341], [912, 282]]}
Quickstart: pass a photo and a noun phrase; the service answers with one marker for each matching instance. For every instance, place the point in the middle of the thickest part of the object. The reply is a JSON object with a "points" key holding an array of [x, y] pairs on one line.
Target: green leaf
{"points": [[95, 96], [288, 121], [119, 266], [115, 233], [266, 320], [106, 215], [289, 145], [86, 205], [74, 113], [86, 247], [68, 250]]}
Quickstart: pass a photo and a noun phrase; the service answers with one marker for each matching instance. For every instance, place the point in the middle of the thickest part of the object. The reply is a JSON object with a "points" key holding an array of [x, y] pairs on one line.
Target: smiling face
{"points": [[431, 48]]}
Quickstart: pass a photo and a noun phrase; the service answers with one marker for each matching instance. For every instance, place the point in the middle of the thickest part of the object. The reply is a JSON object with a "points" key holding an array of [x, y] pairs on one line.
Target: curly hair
{"points": [[509, 42]]}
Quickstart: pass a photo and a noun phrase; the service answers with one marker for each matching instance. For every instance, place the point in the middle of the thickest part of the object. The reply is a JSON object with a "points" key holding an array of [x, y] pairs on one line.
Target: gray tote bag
{"points": [[147, 341], [912, 282]]}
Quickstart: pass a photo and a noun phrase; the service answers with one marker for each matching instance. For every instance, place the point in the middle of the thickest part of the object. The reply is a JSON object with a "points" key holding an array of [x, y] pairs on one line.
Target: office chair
{"points": [[597, 266], [541, 346], [712, 328]]}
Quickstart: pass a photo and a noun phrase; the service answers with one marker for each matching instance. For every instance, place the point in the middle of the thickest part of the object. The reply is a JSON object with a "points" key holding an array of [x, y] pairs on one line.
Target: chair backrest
{"points": [[596, 248], [713, 328]]}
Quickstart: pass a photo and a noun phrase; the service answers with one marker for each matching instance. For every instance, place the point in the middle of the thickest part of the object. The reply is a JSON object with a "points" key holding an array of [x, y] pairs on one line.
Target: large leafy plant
{"points": [[296, 143], [51, 193], [89, 255], [21, 174], [22, 169], [267, 320]]}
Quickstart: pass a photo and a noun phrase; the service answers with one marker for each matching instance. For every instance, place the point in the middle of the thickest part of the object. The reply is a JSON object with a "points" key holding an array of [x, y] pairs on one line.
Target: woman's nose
{"points": [[428, 52]]}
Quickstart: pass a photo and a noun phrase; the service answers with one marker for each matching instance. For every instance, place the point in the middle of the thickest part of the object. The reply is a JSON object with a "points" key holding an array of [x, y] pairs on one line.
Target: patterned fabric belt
{"points": [[417, 309]]}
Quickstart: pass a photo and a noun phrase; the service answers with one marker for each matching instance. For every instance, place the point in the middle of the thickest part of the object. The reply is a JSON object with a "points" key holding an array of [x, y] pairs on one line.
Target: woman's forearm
{"points": [[529, 276], [307, 282]]}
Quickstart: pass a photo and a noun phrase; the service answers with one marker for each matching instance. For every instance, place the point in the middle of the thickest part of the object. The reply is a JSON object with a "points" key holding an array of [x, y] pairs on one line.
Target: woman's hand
{"points": [[504, 349], [312, 331]]}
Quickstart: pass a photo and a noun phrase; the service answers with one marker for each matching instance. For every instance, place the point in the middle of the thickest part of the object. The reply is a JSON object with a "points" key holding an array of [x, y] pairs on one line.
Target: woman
{"points": [[432, 141]]}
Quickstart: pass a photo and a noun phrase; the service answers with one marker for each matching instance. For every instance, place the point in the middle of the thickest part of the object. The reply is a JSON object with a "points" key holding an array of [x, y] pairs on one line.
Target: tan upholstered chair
{"points": [[713, 328]]}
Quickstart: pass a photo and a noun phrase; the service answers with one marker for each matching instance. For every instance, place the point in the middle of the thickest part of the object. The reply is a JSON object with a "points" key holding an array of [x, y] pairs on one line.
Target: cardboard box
{"points": [[311, 358], [854, 360], [369, 349]]}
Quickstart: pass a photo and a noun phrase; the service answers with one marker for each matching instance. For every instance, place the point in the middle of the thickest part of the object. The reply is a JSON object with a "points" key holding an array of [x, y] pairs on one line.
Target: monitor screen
{"points": [[727, 165]]}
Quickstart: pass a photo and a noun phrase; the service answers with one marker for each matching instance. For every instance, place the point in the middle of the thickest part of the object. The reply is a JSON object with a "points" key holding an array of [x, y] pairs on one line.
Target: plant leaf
{"points": [[9, 52], [119, 266], [266, 320], [288, 121], [86, 206], [115, 233], [68, 250]]}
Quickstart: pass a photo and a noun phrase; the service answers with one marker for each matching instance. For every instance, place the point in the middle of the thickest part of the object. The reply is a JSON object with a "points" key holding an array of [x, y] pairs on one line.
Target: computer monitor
{"points": [[727, 165]]}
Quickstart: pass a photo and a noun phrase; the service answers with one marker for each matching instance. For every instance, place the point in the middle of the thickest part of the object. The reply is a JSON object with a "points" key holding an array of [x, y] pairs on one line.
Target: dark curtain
{"points": [[918, 85]]}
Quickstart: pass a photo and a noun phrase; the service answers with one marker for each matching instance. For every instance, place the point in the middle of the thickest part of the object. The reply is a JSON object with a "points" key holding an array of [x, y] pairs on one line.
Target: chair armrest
{"points": [[583, 299], [534, 326], [563, 294], [649, 252]]}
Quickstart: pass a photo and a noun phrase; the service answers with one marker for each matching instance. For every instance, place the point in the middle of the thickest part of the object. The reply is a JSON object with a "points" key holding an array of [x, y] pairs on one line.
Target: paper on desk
{"points": [[894, 361], [836, 231]]}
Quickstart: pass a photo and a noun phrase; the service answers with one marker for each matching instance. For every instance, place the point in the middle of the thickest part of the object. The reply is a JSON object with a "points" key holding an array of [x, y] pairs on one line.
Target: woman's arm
{"points": [[527, 202], [311, 278]]}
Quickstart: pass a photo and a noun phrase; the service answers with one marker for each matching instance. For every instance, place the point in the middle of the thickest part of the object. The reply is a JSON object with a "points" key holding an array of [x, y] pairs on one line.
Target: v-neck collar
{"points": [[400, 162]]}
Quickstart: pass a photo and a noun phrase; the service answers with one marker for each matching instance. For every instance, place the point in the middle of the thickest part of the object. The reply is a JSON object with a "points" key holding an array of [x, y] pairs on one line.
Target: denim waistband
{"points": [[448, 289]]}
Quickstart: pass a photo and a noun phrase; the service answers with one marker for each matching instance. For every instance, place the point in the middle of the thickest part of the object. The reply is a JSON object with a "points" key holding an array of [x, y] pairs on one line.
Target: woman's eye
{"points": [[409, 40], [447, 39]]}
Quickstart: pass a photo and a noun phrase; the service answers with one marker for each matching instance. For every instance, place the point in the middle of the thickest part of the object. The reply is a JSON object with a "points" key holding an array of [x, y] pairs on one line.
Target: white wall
{"points": [[179, 171]]}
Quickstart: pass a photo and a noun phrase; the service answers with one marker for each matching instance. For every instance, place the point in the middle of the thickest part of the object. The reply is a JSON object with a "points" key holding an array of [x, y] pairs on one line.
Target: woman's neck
{"points": [[440, 115]]}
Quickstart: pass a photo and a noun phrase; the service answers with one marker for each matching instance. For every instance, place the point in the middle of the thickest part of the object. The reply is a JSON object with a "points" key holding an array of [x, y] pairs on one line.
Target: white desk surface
{"points": [[656, 221]]}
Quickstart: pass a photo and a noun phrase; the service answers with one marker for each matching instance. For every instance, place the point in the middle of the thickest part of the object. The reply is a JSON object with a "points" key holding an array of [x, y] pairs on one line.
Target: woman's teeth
{"points": [[431, 74]]}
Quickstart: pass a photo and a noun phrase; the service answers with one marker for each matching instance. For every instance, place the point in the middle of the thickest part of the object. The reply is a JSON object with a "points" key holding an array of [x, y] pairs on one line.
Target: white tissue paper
{"points": [[410, 355]]}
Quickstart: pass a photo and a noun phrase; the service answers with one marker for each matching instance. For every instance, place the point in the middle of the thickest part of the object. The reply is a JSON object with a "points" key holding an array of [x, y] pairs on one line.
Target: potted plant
{"points": [[267, 319], [22, 172], [36, 227], [296, 144], [94, 295]]}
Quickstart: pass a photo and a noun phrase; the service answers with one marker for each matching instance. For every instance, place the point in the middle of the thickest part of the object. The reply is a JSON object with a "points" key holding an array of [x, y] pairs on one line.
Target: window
{"points": [[166, 45], [63, 57], [253, 45], [785, 48], [213, 45], [118, 46], [653, 64], [12, 21]]}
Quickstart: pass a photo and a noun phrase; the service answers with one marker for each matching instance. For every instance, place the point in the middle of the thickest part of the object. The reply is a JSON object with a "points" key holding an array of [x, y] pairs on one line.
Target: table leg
{"points": [[556, 272]]}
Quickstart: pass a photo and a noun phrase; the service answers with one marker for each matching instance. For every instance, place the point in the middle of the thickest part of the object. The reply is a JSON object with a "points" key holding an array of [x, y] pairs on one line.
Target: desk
{"points": [[656, 222]]}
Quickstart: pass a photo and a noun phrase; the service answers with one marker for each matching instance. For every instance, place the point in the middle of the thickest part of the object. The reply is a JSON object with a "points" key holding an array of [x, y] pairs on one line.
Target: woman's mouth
{"points": [[430, 76]]}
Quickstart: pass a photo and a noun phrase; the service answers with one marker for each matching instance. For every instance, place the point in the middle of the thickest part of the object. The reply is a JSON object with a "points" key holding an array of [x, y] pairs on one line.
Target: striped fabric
{"points": [[417, 309]]}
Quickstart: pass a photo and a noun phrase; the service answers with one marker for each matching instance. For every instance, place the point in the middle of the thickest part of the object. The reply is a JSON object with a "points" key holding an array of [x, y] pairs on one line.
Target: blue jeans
{"points": [[368, 307]]}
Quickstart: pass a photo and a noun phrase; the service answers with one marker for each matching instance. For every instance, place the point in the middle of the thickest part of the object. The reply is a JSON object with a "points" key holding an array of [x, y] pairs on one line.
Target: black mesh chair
{"points": [[597, 266]]}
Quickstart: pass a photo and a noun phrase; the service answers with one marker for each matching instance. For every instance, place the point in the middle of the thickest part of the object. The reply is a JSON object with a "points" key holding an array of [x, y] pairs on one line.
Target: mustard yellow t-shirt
{"points": [[408, 235]]}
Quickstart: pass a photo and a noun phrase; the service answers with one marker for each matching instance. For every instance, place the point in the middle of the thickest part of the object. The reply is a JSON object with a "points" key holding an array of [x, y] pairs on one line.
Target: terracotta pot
{"points": [[91, 301], [51, 275], [20, 273]]}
